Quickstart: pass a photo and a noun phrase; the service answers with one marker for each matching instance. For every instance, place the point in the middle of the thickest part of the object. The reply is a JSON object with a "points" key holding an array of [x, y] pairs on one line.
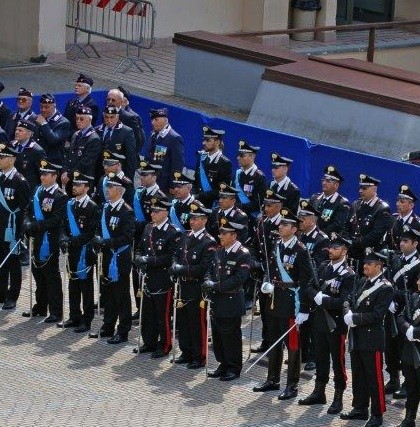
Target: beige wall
{"points": [[407, 9]]}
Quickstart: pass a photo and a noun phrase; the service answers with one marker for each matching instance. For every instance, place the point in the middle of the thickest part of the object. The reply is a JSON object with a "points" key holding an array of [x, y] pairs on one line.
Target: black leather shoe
{"points": [[9, 305], [392, 385], [216, 373], [310, 366], [144, 349], [82, 328], [267, 386], [69, 323], [400, 394], [182, 360], [136, 315], [52, 318], [289, 392], [259, 349], [35, 313], [194, 365], [374, 421], [118, 339], [229, 376], [158, 354], [355, 414]]}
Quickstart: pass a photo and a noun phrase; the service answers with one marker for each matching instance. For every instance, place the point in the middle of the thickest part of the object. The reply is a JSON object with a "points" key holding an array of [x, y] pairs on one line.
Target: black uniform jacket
{"points": [[290, 192]]}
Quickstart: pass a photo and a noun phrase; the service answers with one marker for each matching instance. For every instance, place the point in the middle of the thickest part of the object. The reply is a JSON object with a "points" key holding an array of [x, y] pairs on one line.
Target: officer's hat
{"points": [[160, 203], [7, 151], [410, 233], [113, 180], [81, 109], [226, 225], [198, 209], [277, 160], [111, 110], [47, 98], [125, 92], [288, 216], [412, 157], [158, 112], [272, 197], [367, 181], [180, 178], [46, 166], [26, 124], [336, 241], [245, 148], [208, 132], [227, 191], [406, 193], [110, 158], [79, 178], [1, 87], [146, 168], [332, 173], [306, 209], [84, 79], [372, 256], [25, 92]]}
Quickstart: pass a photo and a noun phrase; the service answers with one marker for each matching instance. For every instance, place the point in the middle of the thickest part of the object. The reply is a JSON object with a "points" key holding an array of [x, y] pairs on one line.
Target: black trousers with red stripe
{"points": [[368, 381], [330, 346], [192, 331], [156, 321]]}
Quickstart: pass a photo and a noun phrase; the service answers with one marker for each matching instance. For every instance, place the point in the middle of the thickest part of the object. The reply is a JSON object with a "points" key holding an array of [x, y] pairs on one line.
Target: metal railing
{"points": [[371, 27], [131, 22]]}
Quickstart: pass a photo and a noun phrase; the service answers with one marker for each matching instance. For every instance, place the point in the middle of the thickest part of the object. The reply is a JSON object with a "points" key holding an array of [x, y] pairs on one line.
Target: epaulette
{"points": [[127, 206], [244, 250]]}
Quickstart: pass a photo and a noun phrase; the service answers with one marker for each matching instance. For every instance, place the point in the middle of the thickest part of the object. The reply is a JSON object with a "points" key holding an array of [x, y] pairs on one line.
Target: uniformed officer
{"points": [[189, 264], [288, 274], [4, 110], [112, 163], [118, 138], [405, 216], [250, 182], [327, 291], [227, 209], [180, 209], [24, 112], [141, 204], [333, 207], [84, 149], [14, 198], [261, 247], [29, 153], [130, 118], [212, 167], [227, 273], [154, 255], [166, 148], [77, 231], [316, 243], [42, 222], [371, 218], [365, 318], [114, 240], [409, 325], [82, 90], [52, 129], [282, 184]]}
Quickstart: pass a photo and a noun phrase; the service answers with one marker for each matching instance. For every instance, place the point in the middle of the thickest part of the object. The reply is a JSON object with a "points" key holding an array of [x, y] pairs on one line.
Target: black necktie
{"points": [[18, 116], [107, 134]]}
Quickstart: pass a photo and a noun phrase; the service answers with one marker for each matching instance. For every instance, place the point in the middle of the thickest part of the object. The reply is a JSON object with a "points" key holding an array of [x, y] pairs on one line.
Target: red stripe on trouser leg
{"points": [[343, 356], [119, 6], [203, 333], [293, 336], [167, 320], [380, 380]]}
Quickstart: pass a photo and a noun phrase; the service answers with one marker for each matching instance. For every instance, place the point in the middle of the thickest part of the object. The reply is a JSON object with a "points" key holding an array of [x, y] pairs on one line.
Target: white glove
{"points": [[301, 317], [267, 288], [348, 319], [409, 333], [392, 307], [318, 297]]}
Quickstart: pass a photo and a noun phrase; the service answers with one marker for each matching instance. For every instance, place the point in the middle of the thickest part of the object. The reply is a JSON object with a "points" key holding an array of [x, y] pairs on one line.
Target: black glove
{"points": [[64, 246], [177, 269], [140, 260], [256, 265], [29, 226], [98, 242], [76, 241], [208, 285]]}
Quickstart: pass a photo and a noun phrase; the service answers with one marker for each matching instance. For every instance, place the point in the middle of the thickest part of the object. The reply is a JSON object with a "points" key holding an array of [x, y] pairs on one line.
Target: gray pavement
{"points": [[51, 377]]}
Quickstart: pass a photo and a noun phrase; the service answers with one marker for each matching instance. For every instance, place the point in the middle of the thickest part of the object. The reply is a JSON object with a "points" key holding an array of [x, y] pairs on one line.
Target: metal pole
{"points": [[176, 289], [207, 336], [142, 277], [30, 275], [66, 260], [10, 253]]}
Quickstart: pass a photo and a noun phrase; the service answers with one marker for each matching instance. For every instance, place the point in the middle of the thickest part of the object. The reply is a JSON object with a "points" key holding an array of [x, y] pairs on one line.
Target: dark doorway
{"points": [[373, 10], [344, 12]]}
